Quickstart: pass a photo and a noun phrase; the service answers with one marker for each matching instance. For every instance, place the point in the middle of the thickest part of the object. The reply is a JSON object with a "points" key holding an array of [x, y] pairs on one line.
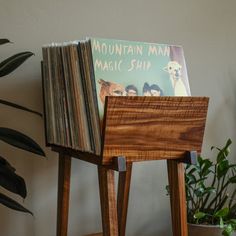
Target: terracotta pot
{"points": [[205, 230]]}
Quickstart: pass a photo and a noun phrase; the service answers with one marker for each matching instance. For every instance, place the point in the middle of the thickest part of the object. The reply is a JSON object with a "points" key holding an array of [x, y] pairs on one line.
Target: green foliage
{"points": [[6, 201], [11, 104], [211, 191], [8, 178], [4, 41], [17, 139], [10, 64]]}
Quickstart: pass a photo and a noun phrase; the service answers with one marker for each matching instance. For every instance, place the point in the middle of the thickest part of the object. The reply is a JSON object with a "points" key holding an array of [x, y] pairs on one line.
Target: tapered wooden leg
{"points": [[63, 194], [108, 201], [177, 197], [123, 197]]}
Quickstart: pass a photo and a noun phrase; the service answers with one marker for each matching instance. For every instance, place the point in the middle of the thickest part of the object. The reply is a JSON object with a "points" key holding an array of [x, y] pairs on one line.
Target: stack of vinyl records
{"points": [[78, 75]]}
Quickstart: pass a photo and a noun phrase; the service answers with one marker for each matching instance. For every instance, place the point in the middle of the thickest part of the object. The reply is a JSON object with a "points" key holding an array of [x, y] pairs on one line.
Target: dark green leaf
{"points": [[207, 164], [10, 58], [228, 230], [226, 149], [220, 156], [12, 182], [199, 160], [4, 41], [228, 143], [199, 191], [6, 201], [191, 171], [191, 178], [214, 147], [11, 63], [199, 215], [188, 166], [209, 190], [201, 180], [222, 212], [19, 107], [4, 162], [196, 168], [20, 140], [222, 168], [232, 221], [223, 153]]}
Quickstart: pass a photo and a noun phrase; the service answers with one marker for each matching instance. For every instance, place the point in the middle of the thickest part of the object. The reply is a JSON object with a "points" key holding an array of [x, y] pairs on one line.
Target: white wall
{"points": [[205, 28]]}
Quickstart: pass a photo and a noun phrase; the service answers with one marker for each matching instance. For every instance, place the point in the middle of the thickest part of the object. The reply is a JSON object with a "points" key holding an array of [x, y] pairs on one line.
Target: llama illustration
{"points": [[174, 70]]}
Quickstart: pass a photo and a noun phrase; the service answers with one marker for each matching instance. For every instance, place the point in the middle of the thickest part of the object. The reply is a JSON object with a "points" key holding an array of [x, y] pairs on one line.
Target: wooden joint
{"points": [[119, 163], [190, 158]]}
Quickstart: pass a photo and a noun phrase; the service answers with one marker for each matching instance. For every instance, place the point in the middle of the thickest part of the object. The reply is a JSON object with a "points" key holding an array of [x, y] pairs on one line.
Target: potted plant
{"points": [[211, 195], [8, 177]]}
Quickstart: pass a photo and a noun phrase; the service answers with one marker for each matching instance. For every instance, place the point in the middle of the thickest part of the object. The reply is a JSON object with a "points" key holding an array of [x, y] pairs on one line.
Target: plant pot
{"points": [[205, 230]]}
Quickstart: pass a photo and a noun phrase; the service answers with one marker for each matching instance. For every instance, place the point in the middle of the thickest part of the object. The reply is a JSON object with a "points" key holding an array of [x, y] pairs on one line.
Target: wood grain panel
{"points": [[177, 197], [108, 201], [123, 197], [64, 172], [152, 128]]}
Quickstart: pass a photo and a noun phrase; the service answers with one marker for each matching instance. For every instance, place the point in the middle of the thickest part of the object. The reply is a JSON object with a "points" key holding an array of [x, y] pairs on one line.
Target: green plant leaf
{"points": [[222, 212], [232, 221], [4, 162], [10, 203], [222, 168], [17, 139], [11, 63], [201, 180], [199, 192], [228, 230], [199, 160], [224, 152], [209, 190], [207, 164], [199, 215], [4, 41], [228, 143], [19, 107], [191, 179], [11, 181], [191, 171], [215, 204]]}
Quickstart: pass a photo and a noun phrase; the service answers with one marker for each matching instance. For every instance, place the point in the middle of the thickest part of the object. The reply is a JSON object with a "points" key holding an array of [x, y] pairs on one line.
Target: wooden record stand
{"points": [[138, 129]]}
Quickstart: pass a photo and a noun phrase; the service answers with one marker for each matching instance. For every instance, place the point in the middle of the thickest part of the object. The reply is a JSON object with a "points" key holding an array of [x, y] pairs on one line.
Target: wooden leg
{"points": [[63, 194], [177, 197], [123, 197], [108, 201]]}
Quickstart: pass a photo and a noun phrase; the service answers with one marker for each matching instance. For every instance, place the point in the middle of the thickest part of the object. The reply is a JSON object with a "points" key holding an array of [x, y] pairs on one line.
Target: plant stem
{"points": [[192, 197], [214, 200], [221, 204], [232, 198], [209, 194], [220, 196]]}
